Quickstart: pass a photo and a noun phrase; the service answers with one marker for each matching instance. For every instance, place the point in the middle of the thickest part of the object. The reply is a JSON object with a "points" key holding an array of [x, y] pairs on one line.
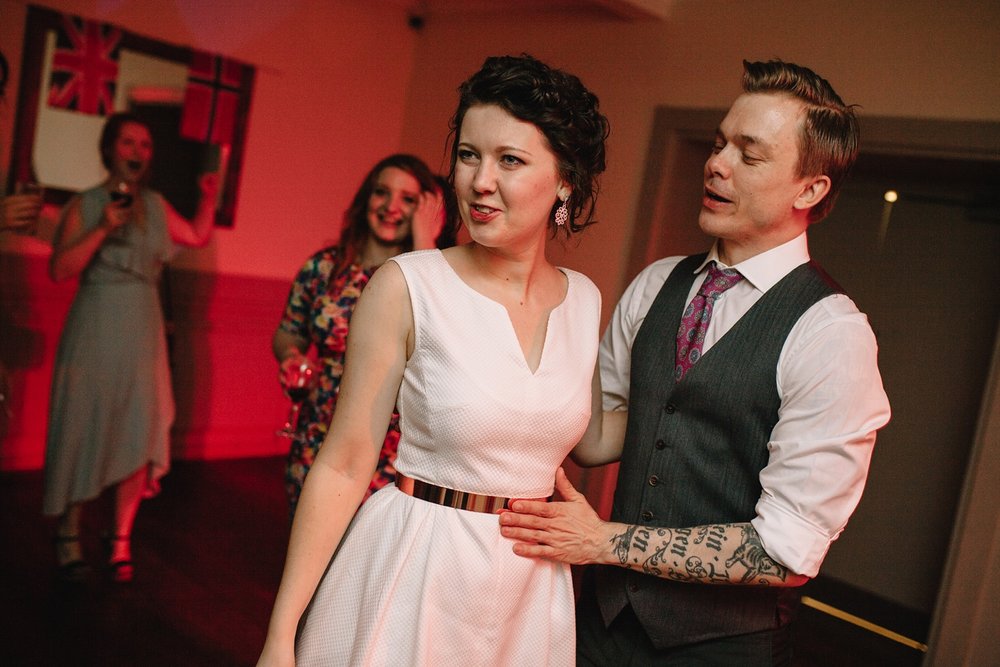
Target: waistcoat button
{"points": [[669, 408], [660, 444], [654, 480], [646, 515]]}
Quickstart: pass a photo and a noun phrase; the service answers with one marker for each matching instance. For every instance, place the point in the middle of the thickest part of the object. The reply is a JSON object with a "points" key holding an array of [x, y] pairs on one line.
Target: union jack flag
{"points": [[85, 66], [211, 99]]}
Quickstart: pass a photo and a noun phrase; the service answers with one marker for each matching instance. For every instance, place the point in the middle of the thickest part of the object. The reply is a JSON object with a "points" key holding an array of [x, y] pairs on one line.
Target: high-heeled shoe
{"points": [[121, 571], [75, 571]]}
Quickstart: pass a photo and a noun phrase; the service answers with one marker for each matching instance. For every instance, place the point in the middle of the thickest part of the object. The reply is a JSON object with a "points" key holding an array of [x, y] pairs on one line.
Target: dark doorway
{"points": [[924, 269], [177, 162]]}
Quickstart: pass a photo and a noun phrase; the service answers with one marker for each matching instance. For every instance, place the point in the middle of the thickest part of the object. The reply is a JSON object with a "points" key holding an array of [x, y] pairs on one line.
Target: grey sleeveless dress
{"points": [[111, 403]]}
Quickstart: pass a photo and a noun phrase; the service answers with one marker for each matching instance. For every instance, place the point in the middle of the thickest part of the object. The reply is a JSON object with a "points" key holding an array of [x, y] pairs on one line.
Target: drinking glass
{"points": [[299, 382], [121, 193], [30, 188]]}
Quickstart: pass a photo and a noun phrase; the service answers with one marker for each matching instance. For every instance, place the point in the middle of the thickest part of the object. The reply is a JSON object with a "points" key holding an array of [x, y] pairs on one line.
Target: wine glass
{"points": [[299, 381], [123, 195], [30, 188]]}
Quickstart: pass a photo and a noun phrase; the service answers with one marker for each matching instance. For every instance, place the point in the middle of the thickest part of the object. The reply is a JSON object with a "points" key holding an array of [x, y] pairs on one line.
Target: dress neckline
{"points": [[506, 313]]}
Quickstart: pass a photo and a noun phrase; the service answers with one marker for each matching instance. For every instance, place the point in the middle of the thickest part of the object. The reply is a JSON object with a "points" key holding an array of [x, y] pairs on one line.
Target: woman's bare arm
{"points": [[381, 329]]}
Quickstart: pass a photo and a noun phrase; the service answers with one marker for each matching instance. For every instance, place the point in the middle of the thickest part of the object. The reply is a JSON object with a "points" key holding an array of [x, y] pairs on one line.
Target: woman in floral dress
{"points": [[400, 206]]}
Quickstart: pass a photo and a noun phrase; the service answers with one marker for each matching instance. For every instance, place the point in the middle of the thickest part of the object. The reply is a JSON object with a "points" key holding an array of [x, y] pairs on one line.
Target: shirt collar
{"points": [[764, 271]]}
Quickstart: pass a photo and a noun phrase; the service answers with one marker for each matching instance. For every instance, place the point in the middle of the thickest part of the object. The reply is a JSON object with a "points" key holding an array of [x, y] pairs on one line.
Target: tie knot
{"points": [[718, 280]]}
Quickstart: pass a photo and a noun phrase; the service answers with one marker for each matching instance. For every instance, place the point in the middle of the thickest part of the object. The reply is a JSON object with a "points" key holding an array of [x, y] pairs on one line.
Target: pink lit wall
{"points": [[331, 79], [331, 84]]}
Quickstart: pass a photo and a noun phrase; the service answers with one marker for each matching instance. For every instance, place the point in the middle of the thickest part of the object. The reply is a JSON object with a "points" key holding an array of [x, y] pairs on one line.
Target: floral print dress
{"points": [[319, 310]]}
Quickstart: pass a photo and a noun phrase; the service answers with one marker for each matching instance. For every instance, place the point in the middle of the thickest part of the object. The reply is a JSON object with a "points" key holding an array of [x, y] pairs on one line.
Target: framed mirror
{"points": [[75, 72]]}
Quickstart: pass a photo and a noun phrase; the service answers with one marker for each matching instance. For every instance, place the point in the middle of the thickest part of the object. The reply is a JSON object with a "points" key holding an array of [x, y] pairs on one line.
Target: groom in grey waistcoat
{"points": [[741, 395]]}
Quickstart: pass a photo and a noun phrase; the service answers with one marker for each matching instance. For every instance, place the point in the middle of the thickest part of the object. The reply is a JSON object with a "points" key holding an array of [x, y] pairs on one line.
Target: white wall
{"points": [[918, 58]]}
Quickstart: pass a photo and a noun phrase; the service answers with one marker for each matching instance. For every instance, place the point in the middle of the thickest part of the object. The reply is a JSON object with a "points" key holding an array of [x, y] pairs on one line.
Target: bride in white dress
{"points": [[489, 352]]}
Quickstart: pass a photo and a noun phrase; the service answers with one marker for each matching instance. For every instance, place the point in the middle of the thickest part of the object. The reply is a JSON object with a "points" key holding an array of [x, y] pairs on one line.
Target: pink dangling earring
{"points": [[562, 213]]}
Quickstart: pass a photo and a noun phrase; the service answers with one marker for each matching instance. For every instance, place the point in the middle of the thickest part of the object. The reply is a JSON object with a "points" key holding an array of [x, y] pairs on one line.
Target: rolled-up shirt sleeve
{"points": [[832, 404], [616, 345], [615, 357]]}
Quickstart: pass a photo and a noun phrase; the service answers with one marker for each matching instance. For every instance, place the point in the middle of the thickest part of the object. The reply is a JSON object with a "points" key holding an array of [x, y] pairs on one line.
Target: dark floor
{"points": [[208, 555]]}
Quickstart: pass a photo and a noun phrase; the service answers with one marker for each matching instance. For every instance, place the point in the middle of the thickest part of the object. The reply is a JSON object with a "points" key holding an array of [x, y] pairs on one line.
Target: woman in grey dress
{"points": [[111, 404]]}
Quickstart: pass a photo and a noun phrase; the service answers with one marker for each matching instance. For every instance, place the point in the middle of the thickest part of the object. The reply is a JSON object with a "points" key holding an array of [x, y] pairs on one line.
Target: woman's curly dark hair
{"points": [[559, 105]]}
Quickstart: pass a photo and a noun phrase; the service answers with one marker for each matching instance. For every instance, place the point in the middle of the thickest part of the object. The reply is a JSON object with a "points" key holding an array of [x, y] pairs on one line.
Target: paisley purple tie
{"points": [[694, 323]]}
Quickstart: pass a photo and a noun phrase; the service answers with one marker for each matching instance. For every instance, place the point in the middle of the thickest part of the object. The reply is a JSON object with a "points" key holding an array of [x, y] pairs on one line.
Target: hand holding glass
{"points": [[122, 197], [122, 194], [20, 210]]}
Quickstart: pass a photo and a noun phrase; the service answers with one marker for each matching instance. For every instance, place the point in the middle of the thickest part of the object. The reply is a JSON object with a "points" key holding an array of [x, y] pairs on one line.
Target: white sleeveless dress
{"points": [[415, 583]]}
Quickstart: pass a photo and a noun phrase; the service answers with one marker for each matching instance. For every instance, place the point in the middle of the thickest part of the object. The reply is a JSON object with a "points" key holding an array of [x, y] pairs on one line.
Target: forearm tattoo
{"points": [[718, 553]]}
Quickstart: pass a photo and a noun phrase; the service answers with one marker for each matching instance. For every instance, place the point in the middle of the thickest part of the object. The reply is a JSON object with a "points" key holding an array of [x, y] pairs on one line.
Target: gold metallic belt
{"points": [[440, 495]]}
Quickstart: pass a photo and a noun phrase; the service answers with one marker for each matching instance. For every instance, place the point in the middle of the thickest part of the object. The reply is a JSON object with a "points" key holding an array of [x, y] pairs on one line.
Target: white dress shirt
{"points": [[832, 400]]}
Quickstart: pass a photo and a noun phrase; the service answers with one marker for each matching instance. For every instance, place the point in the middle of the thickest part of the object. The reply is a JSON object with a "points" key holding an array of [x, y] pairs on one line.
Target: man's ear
{"points": [[812, 192]]}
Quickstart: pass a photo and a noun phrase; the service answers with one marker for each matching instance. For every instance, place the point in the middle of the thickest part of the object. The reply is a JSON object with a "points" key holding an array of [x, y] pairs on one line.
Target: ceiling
{"points": [[630, 10]]}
